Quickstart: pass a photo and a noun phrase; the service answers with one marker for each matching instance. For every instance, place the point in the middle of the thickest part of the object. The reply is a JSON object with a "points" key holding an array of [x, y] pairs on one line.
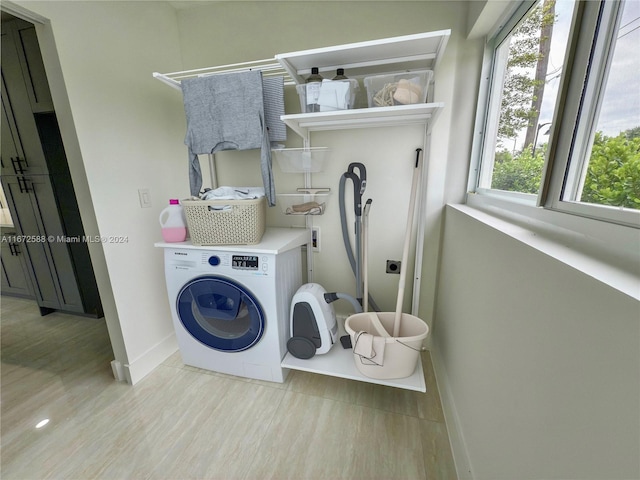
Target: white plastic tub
{"points": [[400, 354]]}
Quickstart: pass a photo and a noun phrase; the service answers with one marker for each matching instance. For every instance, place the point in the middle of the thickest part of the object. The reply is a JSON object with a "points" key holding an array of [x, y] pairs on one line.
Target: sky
{"points": [[621, 103]]}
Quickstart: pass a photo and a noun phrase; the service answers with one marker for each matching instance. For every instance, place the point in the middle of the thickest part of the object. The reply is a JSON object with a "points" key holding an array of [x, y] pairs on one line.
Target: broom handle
{"points": [[365, 253], [407, 242]]}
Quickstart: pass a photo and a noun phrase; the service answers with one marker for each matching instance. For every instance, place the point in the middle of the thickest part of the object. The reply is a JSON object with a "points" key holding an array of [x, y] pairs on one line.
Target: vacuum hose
{"points": [[333, 296], [359, 185]]}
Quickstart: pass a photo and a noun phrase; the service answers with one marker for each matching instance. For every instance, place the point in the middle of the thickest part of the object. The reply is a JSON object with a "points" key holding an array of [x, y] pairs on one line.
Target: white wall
{"points": [[129, 136], [539, 363]]}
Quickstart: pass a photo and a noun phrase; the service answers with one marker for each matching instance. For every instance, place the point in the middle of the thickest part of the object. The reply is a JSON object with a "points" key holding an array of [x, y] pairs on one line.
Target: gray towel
{"points": [[274, 107], [226, 112]]}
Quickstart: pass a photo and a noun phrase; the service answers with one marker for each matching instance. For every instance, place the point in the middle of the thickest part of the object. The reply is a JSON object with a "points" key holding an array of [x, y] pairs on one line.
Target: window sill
{"points": [[606, 252]]}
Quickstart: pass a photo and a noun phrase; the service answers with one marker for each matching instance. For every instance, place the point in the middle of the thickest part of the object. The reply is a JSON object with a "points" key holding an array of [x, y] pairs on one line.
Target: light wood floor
{"points": [[181, 422]]}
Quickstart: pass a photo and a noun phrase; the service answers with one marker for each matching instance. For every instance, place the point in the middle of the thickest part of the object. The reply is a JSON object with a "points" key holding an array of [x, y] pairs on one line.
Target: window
{"points": [[560, 127], [526, 76]]}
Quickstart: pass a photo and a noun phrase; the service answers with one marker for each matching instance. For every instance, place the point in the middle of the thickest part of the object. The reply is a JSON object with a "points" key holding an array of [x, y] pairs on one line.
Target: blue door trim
{"points": [[220, 313]]}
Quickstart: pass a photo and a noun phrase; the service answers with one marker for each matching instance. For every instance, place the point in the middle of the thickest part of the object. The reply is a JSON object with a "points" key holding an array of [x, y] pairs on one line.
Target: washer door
{"points": [[220, 313]]}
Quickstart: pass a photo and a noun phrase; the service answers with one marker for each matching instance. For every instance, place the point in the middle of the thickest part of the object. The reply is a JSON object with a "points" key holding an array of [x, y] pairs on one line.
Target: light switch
{"points": [[145, 197]]}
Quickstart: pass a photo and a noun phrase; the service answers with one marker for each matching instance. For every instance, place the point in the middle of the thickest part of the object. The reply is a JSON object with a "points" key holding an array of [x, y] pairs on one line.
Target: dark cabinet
{"points": [[37, 185], [24, 61], [44, 240], [15, 277], [22, 152]]}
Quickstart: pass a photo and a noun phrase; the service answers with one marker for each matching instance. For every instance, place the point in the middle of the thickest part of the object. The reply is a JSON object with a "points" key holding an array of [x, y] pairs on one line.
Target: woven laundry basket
{"points": [[226, 222]]}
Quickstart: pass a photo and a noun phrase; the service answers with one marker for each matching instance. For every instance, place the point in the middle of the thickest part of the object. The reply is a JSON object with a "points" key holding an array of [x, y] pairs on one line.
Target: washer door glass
{"points": [[220, 313]]}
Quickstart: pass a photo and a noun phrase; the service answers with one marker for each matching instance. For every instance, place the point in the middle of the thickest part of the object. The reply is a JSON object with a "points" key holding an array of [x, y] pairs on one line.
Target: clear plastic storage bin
{"points": [[398, 89], [334, 95]]}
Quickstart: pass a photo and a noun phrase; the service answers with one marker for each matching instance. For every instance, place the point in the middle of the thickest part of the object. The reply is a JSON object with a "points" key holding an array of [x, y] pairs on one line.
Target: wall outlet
{"points": [[315, 239], [393, 266]]}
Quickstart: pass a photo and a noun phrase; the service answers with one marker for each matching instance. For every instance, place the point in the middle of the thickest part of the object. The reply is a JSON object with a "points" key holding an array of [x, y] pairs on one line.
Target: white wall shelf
{"points": [[391, 55], [397, 54], [339, 362], [303, 123]]}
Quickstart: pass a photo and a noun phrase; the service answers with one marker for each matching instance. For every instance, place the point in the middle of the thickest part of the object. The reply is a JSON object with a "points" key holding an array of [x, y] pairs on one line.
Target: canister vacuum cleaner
{"points": [[314, 327]]}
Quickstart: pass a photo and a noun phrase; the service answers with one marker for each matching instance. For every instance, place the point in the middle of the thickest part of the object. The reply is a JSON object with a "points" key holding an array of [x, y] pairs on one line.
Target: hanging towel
{"points": [[273, 88], [226, 112], [370, 348]]}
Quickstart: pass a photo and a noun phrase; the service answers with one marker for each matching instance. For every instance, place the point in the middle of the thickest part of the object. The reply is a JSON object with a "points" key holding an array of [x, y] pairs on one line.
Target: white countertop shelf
{"points": [[275, 240], [303, 123], [339, 362]]}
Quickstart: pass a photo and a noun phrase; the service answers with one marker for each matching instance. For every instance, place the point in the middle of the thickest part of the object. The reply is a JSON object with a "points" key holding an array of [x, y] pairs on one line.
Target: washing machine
{"points": [[230, 304]]}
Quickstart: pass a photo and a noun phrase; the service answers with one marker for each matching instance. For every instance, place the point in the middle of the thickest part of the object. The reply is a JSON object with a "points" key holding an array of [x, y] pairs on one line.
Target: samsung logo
{"points": [[181, 253]]}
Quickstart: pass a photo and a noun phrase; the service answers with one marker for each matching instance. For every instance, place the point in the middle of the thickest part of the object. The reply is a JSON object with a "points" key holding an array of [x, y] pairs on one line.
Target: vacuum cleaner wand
{"points": [[357, 192], [362, 175]]}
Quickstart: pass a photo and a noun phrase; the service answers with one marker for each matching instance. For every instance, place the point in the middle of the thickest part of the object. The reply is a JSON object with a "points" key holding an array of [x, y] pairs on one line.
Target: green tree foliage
{"points": [[519, 173], [612, 177], [613, 174]]}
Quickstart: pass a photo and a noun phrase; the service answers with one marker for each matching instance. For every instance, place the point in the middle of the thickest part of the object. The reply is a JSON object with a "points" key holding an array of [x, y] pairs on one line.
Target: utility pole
{"points": [[546, 31]]}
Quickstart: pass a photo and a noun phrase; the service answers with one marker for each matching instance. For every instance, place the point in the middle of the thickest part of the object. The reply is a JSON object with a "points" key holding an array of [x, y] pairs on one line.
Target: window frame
{"points": [[486, 97], [572, 155], [573, 116]]}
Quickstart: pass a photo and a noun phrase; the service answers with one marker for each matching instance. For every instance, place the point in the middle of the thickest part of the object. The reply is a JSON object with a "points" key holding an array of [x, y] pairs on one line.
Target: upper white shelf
{"points": [[303, 123], [387, 55]]}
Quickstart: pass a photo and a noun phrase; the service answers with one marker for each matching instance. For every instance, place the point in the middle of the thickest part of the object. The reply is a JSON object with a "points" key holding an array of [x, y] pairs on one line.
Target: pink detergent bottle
{"points": [[173, 222]]}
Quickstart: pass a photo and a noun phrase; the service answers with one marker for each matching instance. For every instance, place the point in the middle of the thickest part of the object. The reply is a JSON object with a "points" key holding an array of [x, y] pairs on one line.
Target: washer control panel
{"points": [[219, 262], [225, 262], [244, 262]]}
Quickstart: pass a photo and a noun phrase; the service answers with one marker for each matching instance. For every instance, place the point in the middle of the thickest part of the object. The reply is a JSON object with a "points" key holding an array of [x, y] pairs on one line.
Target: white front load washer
{"points": [[230, 304]]}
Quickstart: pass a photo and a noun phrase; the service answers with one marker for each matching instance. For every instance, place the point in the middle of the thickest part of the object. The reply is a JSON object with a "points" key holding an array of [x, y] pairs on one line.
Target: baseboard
{"points": [[118, 371], [136, 370], [456, 437]]}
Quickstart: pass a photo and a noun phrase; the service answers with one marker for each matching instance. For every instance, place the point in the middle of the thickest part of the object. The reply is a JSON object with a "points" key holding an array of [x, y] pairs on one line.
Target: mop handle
{"points": [[407, 241]]}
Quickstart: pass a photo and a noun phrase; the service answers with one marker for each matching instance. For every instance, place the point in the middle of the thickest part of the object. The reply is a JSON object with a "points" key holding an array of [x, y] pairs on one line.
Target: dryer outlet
{"points": [[393, 266]]}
